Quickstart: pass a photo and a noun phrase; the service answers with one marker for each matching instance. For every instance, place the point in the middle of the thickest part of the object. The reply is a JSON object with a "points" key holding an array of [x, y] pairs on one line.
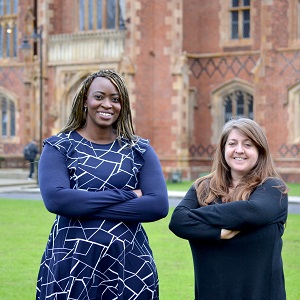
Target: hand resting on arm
{"points": [[148, 203]]}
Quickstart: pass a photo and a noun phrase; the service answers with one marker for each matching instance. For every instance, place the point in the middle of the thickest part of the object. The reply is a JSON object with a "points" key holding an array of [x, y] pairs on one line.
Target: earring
{"points": [[85, 109]]}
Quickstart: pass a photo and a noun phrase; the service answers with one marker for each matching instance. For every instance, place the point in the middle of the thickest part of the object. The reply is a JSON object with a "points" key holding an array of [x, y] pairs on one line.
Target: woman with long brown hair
{"points": [[234, 219]]}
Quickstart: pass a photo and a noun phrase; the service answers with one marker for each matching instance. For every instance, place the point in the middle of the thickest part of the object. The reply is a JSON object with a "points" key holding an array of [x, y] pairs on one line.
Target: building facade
{"points": [[190, 65]]}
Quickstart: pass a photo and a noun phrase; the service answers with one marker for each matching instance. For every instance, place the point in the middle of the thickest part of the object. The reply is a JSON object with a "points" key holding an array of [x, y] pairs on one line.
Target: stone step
{"points": [[14, 173]]}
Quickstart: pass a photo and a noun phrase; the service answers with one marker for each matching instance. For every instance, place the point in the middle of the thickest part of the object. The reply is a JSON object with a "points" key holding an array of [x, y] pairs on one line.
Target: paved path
{"points": [[32, 192], [14, 185]]}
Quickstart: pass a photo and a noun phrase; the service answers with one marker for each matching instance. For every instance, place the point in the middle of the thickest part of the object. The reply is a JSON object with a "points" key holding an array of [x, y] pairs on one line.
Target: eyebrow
{"points": [[113, 94], [245, 140]]}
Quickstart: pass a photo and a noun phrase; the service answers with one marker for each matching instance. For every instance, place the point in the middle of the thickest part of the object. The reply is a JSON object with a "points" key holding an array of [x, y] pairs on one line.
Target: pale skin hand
{"points": [[228, 234], [138, 193]]}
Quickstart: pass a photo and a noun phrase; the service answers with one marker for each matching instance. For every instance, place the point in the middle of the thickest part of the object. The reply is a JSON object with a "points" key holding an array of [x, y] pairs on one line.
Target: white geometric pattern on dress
{"points": [[98, 259]]}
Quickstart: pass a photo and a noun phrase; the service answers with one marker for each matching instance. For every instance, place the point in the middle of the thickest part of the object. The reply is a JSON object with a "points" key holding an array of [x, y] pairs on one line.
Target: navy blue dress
{"points": [[97, 248]]}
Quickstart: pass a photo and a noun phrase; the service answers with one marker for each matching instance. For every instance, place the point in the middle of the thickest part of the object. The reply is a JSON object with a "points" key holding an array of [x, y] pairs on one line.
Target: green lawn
{"points": [[185, 185], [294, 189], [25, 225]]}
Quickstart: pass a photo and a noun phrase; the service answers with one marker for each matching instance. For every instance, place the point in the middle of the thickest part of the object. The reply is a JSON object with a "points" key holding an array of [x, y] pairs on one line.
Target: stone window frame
{"points": [[217, 103], [11, 114], [235, 106], [294, 23], [99, 21], [225, 27], [192, 106], [8, 30], [293, 109], [240, 8]]}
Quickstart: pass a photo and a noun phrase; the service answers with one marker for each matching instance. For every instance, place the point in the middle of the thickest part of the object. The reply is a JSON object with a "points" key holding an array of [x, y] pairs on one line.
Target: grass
{"points": [[24, 229], [179, 186], [294, 189], [185, 185], [291, 257]]}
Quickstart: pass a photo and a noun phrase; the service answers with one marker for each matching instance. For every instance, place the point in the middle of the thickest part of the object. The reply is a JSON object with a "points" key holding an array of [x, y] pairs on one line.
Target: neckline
{"points": [[94, 143]]}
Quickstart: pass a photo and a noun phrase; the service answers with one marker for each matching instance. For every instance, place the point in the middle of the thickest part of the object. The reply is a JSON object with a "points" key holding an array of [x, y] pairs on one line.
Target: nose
{"points": [[106, 103], [239, 148]]}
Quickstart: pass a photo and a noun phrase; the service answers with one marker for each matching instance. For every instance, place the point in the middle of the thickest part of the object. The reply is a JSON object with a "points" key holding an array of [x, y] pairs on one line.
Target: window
{"points": [[298, 19], [293, 120], [4, 117], [294, 20], [12, 119], [240, 19], [8, 28], [293, 13], [101, 14], [232, 99], [238, 104], [8, 120]]}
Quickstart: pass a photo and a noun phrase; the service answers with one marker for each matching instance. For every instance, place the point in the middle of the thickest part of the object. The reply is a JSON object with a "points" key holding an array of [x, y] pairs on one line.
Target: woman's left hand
{"points": [[228, 234], [138, 193]]}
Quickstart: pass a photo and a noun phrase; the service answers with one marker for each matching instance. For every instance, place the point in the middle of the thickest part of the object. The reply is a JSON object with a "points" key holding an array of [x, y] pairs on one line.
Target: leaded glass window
{"points": [[240, 19], [12, 111], [4, 117], [8, 28], [228, 108], [8, 117], [238, 104], [101, 14]]}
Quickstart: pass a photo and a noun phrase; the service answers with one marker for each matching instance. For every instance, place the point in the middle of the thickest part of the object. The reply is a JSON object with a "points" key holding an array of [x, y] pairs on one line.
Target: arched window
{"points": [[12, 112], [100, 14], [293, 114], [8, 117], [4, 117], [238, 104], [232, 99]]}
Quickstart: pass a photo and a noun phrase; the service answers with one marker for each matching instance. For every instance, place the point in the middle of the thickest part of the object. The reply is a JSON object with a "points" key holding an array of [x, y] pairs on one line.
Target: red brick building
{"points": [[189, 66]]}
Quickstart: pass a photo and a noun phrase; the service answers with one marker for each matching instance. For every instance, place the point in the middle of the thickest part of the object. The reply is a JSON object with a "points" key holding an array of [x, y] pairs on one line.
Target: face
{"points": [[240, 154], [103, 103]]}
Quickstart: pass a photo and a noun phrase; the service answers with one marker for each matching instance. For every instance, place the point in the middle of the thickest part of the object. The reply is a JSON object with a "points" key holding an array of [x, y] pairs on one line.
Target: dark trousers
{"points": [[31, 168]]}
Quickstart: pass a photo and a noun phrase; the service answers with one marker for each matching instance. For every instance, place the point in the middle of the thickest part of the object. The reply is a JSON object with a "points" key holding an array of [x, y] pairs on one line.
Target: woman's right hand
{"points": [[138, 193], [228, 234]]}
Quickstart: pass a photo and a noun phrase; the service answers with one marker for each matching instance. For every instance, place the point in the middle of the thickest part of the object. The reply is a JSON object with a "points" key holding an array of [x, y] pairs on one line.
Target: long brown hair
{"points": [[77, 118], [218, 182]]}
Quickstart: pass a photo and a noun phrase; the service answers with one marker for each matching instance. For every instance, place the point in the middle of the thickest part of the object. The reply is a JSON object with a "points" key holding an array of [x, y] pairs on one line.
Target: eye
{"points": [[98, 97], [115, 99], [248, 144]]}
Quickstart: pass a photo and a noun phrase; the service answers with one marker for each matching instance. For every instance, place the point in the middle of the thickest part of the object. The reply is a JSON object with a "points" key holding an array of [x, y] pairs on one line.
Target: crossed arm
{"points": [[266, 205], [148, 204]]}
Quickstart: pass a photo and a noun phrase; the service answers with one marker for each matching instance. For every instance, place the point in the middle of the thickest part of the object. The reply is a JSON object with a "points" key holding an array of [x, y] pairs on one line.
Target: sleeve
{"points": [[185, 226], [60, 199], [153, 205], [266, 205]]}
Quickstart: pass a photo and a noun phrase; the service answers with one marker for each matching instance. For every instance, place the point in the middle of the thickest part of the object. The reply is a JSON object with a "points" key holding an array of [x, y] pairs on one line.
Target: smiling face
{"points": [[103, 104], [241, 154]]}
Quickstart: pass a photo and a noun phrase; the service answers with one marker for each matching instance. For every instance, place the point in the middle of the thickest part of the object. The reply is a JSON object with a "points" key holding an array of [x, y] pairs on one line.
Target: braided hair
{"points": [[77, 117]]}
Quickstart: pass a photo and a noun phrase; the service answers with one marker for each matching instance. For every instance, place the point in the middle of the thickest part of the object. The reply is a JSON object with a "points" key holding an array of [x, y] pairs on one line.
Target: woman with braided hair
{"points": [[101, 180]]}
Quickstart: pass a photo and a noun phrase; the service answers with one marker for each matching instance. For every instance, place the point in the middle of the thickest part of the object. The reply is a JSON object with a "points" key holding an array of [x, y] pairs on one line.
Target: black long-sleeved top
{"points": [[246, 267]]}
